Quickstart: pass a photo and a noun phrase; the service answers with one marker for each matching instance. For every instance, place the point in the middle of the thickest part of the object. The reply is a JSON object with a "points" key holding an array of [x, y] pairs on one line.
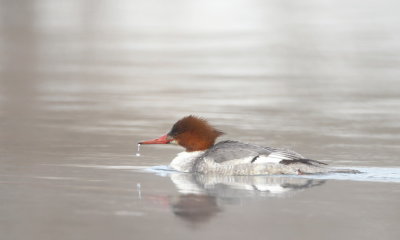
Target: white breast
{"points": [[183, 162]]}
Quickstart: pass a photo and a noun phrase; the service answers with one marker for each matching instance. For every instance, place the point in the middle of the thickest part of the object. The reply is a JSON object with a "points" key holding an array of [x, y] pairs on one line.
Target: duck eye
{"points": [[171, 134], [174, 132]]}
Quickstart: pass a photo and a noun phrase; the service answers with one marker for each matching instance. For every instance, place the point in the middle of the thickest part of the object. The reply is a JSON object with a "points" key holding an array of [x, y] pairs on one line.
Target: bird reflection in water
{"points": [[195, 208], [202, 197]]}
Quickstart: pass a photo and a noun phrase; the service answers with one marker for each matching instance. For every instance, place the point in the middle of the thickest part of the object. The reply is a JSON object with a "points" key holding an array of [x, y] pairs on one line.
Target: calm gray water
{"points": [[81, 82]]}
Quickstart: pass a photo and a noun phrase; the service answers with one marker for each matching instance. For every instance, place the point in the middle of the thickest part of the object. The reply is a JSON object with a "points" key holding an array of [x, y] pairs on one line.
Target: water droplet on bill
{"points": [[138, 150]]}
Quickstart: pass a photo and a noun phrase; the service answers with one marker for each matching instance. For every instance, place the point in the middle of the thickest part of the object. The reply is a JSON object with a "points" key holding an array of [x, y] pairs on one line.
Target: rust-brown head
{"points": [[191, 132]]}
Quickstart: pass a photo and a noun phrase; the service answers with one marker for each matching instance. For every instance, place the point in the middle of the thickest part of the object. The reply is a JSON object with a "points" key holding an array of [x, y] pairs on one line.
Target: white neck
{"points": [[183, 162]]}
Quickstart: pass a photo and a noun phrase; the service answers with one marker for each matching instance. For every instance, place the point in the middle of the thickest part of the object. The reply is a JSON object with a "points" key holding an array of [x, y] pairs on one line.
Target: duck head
{"points": [[191, 132]]}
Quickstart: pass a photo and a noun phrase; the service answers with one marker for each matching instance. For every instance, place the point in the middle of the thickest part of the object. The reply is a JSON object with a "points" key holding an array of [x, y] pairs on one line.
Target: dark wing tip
{"points": [[302, 160]]}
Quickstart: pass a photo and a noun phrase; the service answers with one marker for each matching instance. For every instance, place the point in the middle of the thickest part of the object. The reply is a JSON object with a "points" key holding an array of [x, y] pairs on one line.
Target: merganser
{"points": [[228, 157]]}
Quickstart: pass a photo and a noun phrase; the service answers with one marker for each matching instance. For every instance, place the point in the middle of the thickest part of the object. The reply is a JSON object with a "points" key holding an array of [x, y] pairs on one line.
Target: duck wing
{"points": [[249, 153]]}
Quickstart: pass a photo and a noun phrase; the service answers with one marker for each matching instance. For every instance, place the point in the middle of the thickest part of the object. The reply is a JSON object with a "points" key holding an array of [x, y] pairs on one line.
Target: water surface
{"points": [[81, 82]]}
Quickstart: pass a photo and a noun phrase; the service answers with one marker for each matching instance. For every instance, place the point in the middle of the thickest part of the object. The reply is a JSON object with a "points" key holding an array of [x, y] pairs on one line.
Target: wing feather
{"points": [[233, 150]]}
